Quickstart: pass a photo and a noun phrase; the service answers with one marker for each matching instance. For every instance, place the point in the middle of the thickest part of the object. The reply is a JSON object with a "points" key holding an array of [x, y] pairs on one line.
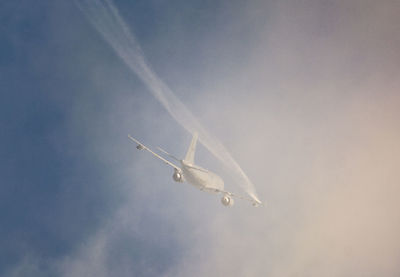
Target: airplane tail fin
{"points": [[192, 149]]}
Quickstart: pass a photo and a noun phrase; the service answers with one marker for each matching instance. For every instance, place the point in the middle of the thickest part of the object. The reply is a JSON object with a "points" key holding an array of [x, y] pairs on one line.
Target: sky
{"points": [[303, 94]]}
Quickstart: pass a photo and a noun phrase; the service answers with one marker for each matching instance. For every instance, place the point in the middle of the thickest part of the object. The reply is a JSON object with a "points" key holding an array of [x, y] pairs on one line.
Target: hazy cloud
{"points": [[106, 19]]}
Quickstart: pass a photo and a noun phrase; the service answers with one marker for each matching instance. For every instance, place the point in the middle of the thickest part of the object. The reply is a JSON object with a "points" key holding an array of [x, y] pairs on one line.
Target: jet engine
{"points": [[177, 176], [227, 201], [139, 147]]}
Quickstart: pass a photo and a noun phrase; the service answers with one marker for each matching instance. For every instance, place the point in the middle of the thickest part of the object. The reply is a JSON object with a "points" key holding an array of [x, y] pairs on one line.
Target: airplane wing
{"points": [[175, 158], [254, 202], [168, 154], [140, 146], [197, 168]]}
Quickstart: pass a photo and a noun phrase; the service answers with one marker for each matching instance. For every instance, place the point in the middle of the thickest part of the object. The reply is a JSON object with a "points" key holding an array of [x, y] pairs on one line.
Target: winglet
{"points": [[256, 201]]}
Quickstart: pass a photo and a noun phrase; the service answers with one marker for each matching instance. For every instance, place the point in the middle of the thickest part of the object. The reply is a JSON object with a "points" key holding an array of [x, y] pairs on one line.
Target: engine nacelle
{"points": [[139, 147], [227, 201], [177, 176]]}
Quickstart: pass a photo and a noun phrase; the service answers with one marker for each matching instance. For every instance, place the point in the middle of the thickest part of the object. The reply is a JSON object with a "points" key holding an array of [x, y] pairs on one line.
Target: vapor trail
{"points": [[106, 19]]}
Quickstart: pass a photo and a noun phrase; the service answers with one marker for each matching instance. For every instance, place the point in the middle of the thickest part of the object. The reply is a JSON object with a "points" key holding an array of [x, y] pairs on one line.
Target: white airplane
{"points": [[201, 178]]}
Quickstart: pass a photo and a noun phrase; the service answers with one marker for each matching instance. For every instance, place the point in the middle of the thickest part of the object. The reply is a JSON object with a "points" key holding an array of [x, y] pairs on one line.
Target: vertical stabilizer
{"points": [[189, 158]]}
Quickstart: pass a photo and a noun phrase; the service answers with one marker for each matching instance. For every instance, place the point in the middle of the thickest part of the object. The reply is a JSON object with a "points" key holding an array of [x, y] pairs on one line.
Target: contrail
{"points": [[106, 19]]}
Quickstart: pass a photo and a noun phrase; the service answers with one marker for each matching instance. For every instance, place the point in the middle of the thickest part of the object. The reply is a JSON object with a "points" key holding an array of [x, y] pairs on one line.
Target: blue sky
{"points": [[303, 93], [47, 205], [54, 191], [60, 87]]}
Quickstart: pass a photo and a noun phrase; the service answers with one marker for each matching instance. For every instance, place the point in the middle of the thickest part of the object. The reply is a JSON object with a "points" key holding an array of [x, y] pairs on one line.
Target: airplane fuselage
{"points": [[202, 179]]}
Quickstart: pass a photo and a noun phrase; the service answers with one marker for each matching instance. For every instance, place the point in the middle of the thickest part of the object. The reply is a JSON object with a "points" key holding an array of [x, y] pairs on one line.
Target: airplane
{"points": [[195, 175]]}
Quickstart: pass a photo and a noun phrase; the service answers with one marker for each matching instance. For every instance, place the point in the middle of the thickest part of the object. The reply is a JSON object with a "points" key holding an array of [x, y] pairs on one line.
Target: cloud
{"points": [[321, 107], [312, 114], [106, 19]]}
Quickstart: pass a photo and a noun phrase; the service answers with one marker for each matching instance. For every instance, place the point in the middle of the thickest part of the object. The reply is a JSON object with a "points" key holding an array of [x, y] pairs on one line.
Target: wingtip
{"points": [[256, 202], [254, 197]]}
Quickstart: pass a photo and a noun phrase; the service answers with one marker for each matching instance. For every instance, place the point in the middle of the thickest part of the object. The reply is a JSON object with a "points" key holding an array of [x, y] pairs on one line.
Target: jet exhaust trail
{"points": [[106, 19]]}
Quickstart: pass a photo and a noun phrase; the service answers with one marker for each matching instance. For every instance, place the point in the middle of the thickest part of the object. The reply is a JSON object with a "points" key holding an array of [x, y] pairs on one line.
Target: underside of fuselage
{"points": [[202, 179]]}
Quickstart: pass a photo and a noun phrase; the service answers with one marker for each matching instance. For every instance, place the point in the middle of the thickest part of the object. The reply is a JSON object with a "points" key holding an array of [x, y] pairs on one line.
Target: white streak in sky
{"points": [[106, 19]]}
